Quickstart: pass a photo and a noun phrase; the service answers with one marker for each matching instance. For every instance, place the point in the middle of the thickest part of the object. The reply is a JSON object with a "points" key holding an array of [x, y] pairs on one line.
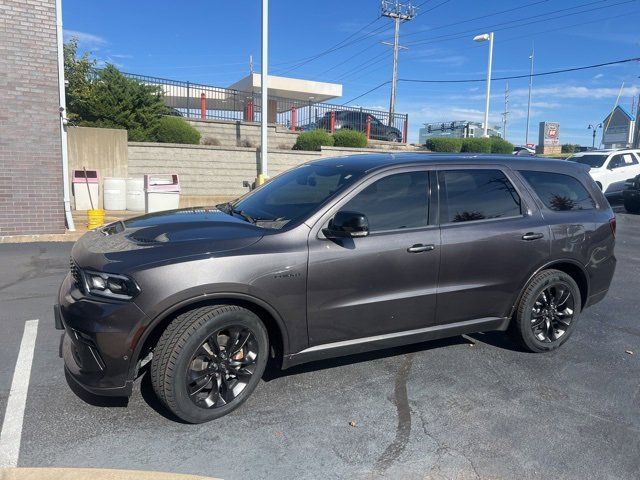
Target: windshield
{"points": [[294, 194], [594, 161]]}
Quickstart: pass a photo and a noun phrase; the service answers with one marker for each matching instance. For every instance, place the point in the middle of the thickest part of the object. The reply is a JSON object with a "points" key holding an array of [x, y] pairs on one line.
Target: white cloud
{"points": [[88, 39]]}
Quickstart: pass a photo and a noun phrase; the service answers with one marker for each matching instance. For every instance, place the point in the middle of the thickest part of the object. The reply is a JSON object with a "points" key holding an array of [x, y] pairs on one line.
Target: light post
{"points": [[595, 128], [487, 37], [264, 86], [531, 57]]}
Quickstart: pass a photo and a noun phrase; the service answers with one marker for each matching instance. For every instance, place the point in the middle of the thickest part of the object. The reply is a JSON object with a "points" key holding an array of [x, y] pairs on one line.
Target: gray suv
{"points": [[334, 257]]}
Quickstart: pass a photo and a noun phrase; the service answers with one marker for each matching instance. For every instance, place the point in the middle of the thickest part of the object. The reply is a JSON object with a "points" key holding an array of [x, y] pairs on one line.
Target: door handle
{"points": [[532, 236], [419, 247]]}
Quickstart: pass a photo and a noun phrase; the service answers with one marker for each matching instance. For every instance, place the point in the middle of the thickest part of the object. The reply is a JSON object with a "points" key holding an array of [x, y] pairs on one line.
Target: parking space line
{"points": [[11, 432]]}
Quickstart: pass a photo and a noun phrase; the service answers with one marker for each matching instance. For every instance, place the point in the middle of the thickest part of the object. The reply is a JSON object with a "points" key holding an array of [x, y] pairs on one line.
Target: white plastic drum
{"points": [[115, 193], [135, 194]]}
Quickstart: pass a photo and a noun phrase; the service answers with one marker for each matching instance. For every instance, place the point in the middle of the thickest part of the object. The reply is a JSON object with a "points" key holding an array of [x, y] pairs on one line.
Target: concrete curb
{"points": [[58, 237], [91, 473]]}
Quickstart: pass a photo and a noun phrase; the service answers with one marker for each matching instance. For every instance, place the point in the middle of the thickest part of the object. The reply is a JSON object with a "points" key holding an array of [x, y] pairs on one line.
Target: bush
{"points": [[176, 130], [313, 140], [498, 145], [570, 148], [476, 145], [212, 141], [349, 138], [444, 144]]}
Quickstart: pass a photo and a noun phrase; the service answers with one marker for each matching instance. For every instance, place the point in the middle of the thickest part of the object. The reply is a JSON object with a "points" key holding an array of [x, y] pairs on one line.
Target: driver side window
{"points": [[395, 202], [616, 162]]}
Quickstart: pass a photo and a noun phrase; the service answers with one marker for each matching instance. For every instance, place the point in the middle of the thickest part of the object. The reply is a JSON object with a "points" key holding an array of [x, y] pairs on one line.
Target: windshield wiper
{"points": [[231, 210]]}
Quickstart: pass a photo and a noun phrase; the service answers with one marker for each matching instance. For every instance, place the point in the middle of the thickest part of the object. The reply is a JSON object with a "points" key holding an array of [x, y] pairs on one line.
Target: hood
{"points": [[163, 237]]}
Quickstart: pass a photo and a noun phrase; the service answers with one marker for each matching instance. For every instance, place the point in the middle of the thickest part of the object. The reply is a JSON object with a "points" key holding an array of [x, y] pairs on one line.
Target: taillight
{"points": [[612, 224]]}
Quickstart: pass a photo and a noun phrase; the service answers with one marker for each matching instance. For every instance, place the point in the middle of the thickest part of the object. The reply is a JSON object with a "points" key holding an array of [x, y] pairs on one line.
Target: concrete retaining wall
{"points": [[242, 134], [209, 174]]}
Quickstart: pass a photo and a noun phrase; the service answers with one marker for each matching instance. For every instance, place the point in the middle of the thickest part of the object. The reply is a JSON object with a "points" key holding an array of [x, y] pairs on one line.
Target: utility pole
{"points": [[264, 87], [526, 141], [505, 114], [399, 12]]}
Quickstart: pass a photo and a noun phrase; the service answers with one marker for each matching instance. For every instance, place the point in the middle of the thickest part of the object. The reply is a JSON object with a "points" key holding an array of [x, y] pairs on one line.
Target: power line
{"points": [[439, 27], [522, 22], [515, 77], [512, 77], [340, 45]]}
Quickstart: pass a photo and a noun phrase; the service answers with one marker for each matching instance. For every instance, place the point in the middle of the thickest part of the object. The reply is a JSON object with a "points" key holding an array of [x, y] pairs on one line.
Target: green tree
{"points": [[79, 73], [116, 101]]}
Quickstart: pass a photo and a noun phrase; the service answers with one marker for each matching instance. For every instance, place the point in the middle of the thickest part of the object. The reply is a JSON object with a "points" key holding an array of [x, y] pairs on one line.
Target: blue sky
{"points": [[210, 42]]}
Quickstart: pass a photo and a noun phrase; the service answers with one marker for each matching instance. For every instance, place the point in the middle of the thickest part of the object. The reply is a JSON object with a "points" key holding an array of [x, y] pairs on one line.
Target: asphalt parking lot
{"points": [[466, 407]]}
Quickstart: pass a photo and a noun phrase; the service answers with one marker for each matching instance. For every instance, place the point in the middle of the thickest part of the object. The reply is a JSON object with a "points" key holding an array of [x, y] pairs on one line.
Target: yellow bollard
{"points": [[95, 218]]}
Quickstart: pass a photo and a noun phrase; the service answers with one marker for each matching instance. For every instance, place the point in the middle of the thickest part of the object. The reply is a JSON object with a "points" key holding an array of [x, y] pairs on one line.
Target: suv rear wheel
{"points": [[547, 312], [208, 361]]}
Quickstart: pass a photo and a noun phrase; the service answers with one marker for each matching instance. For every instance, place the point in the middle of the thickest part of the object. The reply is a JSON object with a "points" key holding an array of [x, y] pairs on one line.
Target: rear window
{"points": [[559, 192], [594, 161], [477, 195]]}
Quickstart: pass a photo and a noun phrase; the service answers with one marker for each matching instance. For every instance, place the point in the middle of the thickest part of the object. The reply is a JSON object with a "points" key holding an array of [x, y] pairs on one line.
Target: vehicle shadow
{"points": [[496, 339], [273, 370], [92, 399]]}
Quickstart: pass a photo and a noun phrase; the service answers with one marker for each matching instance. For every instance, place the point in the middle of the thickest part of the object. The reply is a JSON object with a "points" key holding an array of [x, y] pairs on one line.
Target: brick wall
{"points": [[30, 148]]}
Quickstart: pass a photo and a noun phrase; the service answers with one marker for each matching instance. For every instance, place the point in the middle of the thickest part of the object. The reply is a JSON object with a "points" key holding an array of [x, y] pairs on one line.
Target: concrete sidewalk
{"points": [[90, 473]]}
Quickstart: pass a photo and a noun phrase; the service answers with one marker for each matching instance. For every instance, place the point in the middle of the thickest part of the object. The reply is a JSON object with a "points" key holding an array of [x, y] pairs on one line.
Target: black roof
{"points": [[376, 161]]}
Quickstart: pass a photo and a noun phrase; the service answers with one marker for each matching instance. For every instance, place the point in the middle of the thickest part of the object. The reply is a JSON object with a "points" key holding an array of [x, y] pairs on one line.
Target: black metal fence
{"points": [[198, 101]]}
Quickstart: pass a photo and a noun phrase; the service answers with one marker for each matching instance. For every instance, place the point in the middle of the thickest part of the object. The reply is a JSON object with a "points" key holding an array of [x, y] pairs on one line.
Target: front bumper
{"points": [[98, 341]]}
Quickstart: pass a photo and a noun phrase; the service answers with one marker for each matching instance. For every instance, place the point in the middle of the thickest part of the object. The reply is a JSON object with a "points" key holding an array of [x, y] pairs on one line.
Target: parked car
{"points": [[334, 257], [524, 151], [610, 168], [631, 195], [356, 120]]}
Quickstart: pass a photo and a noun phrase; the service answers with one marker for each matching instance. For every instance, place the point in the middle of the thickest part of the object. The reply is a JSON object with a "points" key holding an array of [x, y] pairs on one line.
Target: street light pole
{"points": [[526, 141], [595, 128], [264, 115], [483, 38]]}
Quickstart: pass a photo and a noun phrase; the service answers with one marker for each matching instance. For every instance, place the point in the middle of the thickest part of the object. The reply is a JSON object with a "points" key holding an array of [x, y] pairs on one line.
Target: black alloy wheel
{"points": [[222, 367], [552, 312], [547, 312], [208, 361]]}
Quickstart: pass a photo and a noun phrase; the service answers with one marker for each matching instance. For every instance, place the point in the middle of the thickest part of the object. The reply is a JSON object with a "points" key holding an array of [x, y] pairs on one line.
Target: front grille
{"points": [[75, 274]]}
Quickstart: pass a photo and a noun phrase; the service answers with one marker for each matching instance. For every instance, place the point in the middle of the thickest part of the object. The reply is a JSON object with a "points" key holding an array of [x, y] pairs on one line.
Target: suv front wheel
{"points": [[208, 361], [547, 312]]}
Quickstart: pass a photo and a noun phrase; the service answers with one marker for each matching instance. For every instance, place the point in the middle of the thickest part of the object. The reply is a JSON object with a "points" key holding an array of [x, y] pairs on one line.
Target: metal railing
{"points": [[206, 102]]}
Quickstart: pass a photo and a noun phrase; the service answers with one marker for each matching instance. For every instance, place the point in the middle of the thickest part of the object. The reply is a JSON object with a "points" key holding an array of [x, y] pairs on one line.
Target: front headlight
{"points": [[110, 285]]}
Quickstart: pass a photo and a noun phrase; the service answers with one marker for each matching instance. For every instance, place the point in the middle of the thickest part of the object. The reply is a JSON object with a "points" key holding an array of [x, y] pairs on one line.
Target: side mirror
{"points": [[347, 225]]}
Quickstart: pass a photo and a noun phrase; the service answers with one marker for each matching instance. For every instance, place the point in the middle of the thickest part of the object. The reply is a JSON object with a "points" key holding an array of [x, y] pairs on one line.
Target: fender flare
{"points": [[206, 297], [545, 266]]}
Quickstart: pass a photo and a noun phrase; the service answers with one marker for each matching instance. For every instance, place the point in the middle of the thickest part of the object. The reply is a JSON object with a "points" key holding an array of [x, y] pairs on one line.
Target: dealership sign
{"points": [[549, 135]]}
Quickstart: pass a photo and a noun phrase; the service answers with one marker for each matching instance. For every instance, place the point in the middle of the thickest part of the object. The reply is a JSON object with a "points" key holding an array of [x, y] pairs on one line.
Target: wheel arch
{"points": [[273, 322], [572, 268]]}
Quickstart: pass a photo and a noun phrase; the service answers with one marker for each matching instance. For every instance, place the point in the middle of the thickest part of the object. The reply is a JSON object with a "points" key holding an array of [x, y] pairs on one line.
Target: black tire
{"points": [[632, 207], [527, 329], [175, 355], [393, 137]]}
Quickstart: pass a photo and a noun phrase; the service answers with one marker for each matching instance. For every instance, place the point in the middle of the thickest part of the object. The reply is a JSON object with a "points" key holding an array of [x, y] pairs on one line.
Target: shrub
{"points": [[176, 130], [570, 148], [212, 141], [499, 145], [247, 143], [349, 138], [444, 144], [476, 145], [313, 140]]}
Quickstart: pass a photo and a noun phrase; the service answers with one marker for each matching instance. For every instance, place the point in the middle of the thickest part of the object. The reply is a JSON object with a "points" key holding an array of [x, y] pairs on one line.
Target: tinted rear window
{"points": [[595, 161], [477, 195], [559, 192]]}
